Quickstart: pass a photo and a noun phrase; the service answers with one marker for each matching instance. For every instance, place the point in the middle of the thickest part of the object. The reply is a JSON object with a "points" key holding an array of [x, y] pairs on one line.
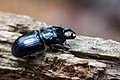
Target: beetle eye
{"points": [[69, 35]]}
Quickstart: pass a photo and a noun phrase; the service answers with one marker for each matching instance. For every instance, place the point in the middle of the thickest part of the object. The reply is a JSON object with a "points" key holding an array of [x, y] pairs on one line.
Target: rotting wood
{"points": [[19, 23], [58, 65], [98, 47]]}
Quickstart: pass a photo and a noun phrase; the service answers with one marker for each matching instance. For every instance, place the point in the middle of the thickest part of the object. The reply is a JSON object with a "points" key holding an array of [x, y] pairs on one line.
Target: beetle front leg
{"points": [[67, 44], [43, 56]]}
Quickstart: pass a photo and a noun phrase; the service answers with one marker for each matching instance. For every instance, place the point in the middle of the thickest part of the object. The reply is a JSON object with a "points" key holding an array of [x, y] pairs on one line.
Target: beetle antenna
{"points": [[60, 25]]}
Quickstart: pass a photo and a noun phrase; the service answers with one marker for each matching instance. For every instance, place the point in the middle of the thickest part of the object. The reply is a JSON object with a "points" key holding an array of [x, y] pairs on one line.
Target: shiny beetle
{"points": [[35, 41]]}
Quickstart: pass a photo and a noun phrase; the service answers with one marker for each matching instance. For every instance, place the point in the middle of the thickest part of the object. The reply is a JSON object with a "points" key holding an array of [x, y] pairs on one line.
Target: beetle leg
{"points": [[42, 57], [25, 67], [67, 44]]}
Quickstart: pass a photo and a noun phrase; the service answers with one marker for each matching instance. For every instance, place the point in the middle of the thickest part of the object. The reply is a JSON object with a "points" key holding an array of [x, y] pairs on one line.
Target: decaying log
{"points": [[95, 47], [107, 51], [19, 23], [96, 58]]}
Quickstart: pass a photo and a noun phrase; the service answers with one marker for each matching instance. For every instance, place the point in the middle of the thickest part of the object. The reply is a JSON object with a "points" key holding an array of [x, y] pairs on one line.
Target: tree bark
{"points": [[87, 58]]}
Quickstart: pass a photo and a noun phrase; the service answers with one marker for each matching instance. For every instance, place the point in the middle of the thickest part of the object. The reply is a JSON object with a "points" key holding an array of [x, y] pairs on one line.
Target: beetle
{"points": [[35, 41]]}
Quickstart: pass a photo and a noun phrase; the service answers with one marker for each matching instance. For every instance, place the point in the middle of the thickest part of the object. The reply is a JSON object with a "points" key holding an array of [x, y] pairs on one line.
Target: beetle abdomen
{"points": [[27, 44]]}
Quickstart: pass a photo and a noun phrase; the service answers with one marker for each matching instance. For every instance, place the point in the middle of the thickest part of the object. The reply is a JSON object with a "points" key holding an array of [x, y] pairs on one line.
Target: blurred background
{"points": [[96, 18]]}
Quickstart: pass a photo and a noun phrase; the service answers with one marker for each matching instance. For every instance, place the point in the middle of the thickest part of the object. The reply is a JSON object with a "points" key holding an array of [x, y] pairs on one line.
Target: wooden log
{"points": [[95, 47], [96, 58], [19, 23]]}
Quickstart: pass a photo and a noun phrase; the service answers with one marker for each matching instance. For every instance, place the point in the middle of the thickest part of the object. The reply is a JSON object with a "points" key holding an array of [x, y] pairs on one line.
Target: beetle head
{"points": [[68, 33]]}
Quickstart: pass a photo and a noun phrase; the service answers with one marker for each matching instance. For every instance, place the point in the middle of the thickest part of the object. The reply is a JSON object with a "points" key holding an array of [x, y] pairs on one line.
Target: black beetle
{"points": [[35, 41]]}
